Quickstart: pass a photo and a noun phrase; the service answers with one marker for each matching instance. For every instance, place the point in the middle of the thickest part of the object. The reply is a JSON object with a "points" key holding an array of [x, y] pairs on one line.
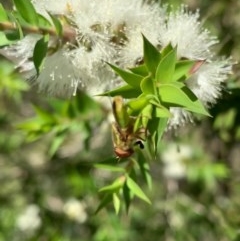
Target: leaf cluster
{"points": [[156, 86]]}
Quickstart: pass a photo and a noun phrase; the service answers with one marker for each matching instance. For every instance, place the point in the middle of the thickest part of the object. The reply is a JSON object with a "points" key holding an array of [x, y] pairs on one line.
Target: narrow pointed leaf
{"points": [[27, 11], [140, 70], [116, 203], [132, 79], [147, 86], [182, 69], [109, 168], [177, 94], [106, 199], [136, 190], [151, 56], [145, 169], [126, 91], [146, 115], [127, 196], [116, 185], [166, 67], [3, 14], [167, 49], [162, 125], [57, 23], [161, 111], [138, 104], [40, 52]]}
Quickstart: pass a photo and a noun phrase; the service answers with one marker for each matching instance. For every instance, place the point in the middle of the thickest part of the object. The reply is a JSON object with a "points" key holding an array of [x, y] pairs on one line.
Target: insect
{"points": [[123, 135]]}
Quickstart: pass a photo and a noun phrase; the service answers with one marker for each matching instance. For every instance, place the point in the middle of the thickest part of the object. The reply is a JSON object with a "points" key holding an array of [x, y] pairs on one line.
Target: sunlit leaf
{"points": [[147, 86], [145, 169], [177, 94], [166, 67], [130, 78], [116, 185], [136, 190], [3, 14], [56, 143], [182, 69], [126, 91], [27, 11], [109, 168], [138, 104], [140, 70], [116, 203], [151, 56]]}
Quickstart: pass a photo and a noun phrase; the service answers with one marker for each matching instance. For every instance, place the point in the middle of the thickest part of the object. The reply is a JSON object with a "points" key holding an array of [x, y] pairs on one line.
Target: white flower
{"points": [[21, 54], [110, 31], [75, 210], [173, 158], [29, 220], [183, 29], [206, 82]]}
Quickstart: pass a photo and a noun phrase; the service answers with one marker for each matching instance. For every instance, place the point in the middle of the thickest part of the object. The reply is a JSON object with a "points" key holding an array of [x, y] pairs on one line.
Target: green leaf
{"points": [[4, 40], [140, 70], [166, 67], [115, 186], [116, 203], [147, 86], [146, 114], [3, 14], [136, 190], [151, 56], [182, 69], [127, 196], [57, 24], [160, 110], [43, 22], [44, 115], [56, 143], [162, 125], [126, 91], [27, 11], [109, 168], [167, 49], [178, 94], [132, 79], [106, 199], [145, 169], [40, 52], [138, 104]]}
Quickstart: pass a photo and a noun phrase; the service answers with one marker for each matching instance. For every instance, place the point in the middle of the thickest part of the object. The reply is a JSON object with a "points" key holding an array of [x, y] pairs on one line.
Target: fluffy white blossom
{"points": [[173, 158], [111, 31], [75, 210], [29, 220]]}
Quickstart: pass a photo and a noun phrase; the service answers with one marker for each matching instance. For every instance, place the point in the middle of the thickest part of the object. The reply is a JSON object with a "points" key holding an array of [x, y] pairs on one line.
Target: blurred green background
{"points": [[52, 196]]}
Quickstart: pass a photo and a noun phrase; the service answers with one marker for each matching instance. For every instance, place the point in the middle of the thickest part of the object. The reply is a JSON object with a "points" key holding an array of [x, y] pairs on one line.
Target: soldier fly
{"points": [[123, 135]]}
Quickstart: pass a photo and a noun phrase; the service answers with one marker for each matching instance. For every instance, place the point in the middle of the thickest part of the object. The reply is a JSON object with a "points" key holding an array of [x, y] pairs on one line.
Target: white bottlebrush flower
{"points": [[183, 29], [29, 220], [21, 54], [75, 210], [173, 159], [102, 32], [110, 31]]}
